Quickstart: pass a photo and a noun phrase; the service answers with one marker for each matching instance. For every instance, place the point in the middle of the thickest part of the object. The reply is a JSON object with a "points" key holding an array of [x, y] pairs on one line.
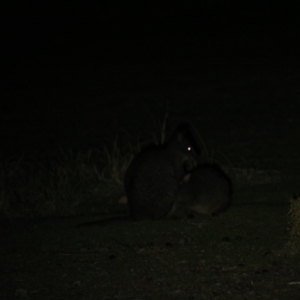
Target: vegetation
{"points": [[63, 183]]}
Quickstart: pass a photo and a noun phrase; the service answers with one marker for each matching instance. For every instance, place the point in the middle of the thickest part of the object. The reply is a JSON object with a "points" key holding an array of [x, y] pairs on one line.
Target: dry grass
{"points": [[62, 183], [66, 183]]}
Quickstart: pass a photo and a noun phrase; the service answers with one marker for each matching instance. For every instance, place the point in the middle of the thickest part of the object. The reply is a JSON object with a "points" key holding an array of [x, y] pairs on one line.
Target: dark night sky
{"points": [[65, 52], [60, 33], [31, 28]]}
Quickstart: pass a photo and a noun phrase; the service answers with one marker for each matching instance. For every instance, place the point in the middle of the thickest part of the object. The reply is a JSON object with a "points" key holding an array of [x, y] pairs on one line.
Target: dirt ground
{"points": [[237, 255]]}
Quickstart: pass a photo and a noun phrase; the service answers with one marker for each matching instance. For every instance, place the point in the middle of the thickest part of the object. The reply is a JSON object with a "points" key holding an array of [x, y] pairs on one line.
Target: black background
{"points": [[66, 66]]}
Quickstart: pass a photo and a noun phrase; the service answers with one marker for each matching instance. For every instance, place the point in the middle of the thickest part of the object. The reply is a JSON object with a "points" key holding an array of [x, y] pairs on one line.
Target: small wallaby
{"points": [[206, 190], [153, 178]]}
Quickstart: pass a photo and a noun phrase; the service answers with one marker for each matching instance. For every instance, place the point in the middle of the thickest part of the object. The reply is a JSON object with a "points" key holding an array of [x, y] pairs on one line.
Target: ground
{"points": [[238, 255]]}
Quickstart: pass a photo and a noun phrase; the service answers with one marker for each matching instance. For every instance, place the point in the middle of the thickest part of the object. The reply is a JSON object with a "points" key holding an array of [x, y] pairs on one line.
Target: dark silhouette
{"points": [[153, 179]]}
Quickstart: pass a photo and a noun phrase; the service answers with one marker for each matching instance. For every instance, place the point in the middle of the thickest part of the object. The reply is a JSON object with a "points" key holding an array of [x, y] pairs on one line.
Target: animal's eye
{"points": [[189, 148]]}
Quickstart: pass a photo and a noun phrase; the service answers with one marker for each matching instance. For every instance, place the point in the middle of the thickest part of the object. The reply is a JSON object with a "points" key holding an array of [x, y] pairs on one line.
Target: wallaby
{"points": [[207, 190], [153, 178]]}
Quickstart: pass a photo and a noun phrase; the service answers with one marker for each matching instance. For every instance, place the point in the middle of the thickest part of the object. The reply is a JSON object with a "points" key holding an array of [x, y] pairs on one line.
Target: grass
{"points": [[65, 183]]}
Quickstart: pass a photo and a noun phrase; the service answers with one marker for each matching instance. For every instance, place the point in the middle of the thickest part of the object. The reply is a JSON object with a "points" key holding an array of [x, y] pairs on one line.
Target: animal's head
{"points": [[184, 141]]}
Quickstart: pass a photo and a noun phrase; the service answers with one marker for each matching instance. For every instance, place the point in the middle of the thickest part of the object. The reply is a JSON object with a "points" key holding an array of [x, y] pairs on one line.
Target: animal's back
{"points": [[208, 190]]}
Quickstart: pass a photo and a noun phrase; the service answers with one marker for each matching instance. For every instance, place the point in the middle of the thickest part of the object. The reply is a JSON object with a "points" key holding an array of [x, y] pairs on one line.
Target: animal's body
{"points": [[208, 190], [153, 179]]}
